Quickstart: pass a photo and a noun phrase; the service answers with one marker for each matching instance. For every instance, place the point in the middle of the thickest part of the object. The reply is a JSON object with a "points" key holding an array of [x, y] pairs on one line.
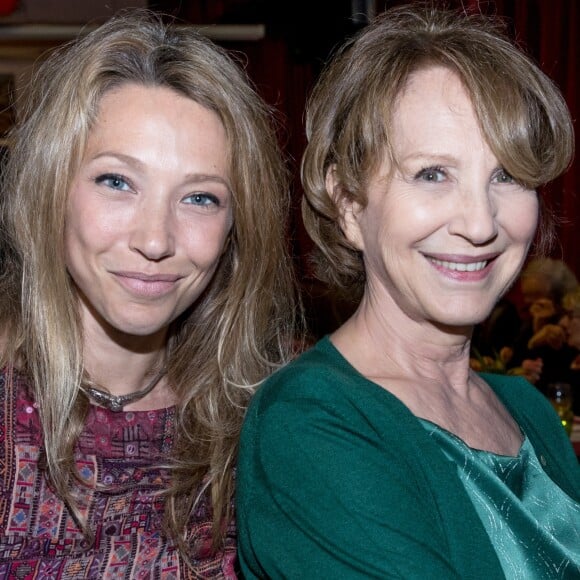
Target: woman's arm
{"points": [[322, 493]]}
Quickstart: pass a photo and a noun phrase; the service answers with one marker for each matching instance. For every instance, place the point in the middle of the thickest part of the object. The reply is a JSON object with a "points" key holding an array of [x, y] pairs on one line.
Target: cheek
{"points": [[204, 246], [522, 219], [84, 233], [86, 224], [405, 225]]}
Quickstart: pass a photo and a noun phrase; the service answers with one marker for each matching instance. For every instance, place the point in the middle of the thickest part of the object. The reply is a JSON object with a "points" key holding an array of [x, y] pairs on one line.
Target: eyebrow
{"points": [[133, 161]]}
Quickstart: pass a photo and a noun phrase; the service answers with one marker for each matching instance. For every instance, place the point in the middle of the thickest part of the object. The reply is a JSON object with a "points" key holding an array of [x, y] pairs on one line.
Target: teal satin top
{"points": [[533, 525]]}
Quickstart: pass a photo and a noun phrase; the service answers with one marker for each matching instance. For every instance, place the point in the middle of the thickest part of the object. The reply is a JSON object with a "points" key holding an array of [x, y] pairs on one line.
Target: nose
{"points": [[152, 232], [475, 216]]}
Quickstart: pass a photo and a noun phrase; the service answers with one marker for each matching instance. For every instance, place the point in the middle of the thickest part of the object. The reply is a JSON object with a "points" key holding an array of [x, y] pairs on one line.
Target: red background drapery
{"points": [[7, 6]]}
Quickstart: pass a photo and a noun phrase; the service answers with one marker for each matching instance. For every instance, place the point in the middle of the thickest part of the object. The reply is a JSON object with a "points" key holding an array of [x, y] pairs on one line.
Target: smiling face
{"points": [[444, 235], [149, 210]]}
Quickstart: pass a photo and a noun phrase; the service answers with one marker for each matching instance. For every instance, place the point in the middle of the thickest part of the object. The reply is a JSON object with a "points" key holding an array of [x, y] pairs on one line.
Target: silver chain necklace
{"points": [[116, 402]]}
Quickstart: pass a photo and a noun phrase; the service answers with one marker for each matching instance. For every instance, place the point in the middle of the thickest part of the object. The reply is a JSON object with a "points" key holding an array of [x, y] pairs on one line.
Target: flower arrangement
{"points": [[498, 364]]}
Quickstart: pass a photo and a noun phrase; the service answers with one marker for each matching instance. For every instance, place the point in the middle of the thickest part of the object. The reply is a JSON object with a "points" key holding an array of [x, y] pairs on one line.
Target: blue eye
{"points": [[202, 199], [502, 176], [113, 181], [431, 174]]}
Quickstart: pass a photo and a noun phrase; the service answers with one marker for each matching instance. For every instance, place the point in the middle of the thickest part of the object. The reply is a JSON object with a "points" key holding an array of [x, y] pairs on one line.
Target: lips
{"points": [[147, 285], [148, 277], [460, 266]]}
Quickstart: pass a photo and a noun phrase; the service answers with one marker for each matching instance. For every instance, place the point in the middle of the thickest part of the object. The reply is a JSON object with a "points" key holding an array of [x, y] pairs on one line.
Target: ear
{"points": [[349, 211]]}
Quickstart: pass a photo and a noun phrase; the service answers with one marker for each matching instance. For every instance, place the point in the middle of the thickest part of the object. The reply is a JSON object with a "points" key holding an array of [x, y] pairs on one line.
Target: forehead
{"points": [[162, 128], [131, 101], [432, 101], [432, 120]]}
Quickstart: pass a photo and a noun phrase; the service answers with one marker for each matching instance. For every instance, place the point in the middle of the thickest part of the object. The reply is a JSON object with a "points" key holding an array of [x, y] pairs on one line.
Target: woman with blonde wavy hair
{"points": [[145, 291]]}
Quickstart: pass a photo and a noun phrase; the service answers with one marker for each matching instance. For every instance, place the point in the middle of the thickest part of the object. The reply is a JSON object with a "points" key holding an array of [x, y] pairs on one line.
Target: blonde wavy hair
{"points": [[521, 112], [237, 333]]}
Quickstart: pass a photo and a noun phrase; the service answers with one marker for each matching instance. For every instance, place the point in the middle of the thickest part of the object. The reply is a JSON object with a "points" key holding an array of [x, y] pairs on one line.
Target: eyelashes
{"points": [[433, 174], [114, 181], [502, 176], [201, 199], [437, 174]]}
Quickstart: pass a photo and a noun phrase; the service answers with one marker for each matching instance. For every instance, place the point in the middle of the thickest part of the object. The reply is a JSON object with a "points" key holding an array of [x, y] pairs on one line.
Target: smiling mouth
{"points": [[461, 267], [151, 286], [147, 278]]}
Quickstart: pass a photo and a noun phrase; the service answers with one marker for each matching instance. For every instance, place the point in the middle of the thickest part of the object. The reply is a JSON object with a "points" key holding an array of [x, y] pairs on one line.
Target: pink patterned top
{"points": [[39, 538]]}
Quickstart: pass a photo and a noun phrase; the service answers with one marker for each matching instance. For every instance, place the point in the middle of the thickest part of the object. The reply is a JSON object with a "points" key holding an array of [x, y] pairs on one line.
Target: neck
{"points": [[118, 402], [116, 361], [396, 346], [120, 371]]}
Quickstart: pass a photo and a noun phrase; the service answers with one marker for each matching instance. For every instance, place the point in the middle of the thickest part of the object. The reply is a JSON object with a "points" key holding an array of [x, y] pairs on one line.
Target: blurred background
{"points": [[283, 45]]}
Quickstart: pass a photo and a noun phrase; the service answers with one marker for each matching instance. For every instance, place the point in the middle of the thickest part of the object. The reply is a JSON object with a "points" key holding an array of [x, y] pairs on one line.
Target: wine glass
{"points": [[560, 395]]}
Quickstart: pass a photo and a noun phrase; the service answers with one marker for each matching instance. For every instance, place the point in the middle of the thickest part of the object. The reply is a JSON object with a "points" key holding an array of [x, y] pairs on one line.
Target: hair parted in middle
{"points": [[240, 329], [522, 114]]}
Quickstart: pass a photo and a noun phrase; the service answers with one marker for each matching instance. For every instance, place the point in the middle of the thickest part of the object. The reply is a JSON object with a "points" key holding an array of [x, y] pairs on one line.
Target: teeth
{"points": [[472, 267]]}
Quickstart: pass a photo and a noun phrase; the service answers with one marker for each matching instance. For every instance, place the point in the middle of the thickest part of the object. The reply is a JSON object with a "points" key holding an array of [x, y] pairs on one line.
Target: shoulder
{"points": [[507, 383], [522, 399], [319, 406], [321, 393], [539, 421], [320, 375], [319, 361]]}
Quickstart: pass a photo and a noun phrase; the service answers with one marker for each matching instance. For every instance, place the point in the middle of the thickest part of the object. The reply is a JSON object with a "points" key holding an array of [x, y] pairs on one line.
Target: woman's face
{"points": [[446, 235], [149, 210]]}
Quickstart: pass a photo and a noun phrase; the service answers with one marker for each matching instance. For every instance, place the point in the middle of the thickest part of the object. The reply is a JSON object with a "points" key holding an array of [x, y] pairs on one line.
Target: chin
{"points": [[461, 317], [138, 328], [456, 326], [468, 315]]}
